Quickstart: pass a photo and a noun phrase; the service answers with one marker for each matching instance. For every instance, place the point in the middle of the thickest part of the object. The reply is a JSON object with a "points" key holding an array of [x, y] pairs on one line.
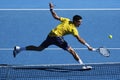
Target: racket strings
{"points": [[104, 51]]}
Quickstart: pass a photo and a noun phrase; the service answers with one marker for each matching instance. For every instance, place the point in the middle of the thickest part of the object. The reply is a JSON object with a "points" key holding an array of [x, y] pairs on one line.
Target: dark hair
{"points": [[76, 18]]}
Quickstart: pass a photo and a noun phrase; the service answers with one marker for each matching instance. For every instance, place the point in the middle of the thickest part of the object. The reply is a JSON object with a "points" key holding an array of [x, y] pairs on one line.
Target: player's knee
{"points": [[70, 49]]}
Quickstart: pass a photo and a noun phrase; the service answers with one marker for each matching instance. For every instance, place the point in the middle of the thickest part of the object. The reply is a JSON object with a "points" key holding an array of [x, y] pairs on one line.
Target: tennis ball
{"points": [[110, 36]]}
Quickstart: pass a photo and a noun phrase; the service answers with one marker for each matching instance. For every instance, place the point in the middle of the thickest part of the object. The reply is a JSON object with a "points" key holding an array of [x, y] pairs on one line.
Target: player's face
{"points": [[78, 23]]}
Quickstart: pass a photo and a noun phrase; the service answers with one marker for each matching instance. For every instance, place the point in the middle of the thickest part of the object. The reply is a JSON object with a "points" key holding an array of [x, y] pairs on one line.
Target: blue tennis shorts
{"points": [[58, 41]]}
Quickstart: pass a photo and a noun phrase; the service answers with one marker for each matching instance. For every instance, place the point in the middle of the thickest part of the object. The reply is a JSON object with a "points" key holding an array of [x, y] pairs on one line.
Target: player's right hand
{"points": [[90, 48]]}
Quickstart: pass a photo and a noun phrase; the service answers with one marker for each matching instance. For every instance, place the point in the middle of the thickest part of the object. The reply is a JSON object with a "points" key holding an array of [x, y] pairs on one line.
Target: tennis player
{"points": [[55, 37]]}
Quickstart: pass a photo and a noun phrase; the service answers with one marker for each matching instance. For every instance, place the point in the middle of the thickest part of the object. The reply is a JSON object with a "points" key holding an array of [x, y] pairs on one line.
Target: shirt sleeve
{"points": [[75, 32], [62, 19]]}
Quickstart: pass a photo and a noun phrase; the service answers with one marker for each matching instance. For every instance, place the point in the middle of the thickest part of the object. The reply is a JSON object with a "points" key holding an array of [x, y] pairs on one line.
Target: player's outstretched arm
{"points": [[53, 12], [84, 42]]}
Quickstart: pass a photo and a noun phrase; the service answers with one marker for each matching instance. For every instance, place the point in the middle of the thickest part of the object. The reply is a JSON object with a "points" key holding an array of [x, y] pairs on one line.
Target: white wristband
{"points": [[86, 44]]}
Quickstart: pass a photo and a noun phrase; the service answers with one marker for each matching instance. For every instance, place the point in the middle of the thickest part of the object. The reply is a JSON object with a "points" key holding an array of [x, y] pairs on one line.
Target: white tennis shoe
{"points": [[87, 67]]}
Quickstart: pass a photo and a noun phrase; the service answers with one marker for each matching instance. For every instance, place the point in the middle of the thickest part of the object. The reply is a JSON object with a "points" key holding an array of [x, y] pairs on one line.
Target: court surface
{"points": [[28, 23]]}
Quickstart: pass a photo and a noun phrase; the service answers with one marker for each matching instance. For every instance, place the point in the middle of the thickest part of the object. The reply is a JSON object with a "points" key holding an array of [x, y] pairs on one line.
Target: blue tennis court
{"points": [[19, 27], [30, 24]]}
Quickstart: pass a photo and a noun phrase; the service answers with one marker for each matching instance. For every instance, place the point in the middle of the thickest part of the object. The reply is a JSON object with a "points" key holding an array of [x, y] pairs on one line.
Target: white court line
{"points": [[25, 9], [103, 63], [7, 49]]}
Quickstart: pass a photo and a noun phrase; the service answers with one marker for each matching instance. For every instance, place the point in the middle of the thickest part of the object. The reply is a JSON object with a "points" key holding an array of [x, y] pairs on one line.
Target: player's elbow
{"points": [[81, 40], [56, 17]]}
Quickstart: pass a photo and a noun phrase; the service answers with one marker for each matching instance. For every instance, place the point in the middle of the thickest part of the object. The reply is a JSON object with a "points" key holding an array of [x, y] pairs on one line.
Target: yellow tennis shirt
{"points": [[64, 28]]}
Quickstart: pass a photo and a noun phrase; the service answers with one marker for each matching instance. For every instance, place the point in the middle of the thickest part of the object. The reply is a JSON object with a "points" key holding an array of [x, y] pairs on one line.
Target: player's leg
{"points": [[18, 49], [75, 55], [60, 42], [44, 45], [35, 48], [77, 58]]}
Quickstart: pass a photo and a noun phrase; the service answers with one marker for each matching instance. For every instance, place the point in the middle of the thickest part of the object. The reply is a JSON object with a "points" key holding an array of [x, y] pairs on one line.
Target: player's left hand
{"points": [[51, 5]]}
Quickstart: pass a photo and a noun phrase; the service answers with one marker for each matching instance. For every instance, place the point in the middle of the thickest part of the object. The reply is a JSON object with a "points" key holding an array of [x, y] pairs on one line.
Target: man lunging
{"points": [[55, 37]]}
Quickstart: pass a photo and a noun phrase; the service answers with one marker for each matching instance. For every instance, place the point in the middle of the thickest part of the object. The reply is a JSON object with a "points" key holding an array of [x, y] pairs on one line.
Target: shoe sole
{"points": [[87, 68]]}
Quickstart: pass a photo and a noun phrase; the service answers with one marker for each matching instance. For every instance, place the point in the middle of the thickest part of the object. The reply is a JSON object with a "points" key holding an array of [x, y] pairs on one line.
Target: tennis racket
{"points": [[103, 51]]}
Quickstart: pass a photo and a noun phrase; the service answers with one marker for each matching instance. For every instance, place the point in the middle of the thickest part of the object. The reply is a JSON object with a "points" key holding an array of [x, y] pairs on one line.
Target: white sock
{"points": [[80, 61]]}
